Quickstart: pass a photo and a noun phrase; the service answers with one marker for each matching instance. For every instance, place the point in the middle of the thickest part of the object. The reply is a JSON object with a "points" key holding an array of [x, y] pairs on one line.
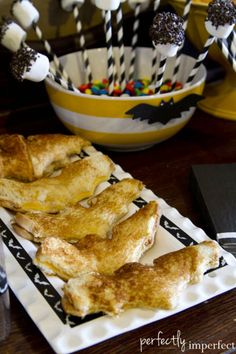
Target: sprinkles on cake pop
{"points": [[22, 61], [167, 28], [221, 12]]}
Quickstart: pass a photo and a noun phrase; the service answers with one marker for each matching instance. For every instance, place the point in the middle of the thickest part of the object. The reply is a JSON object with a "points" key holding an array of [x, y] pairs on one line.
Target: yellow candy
{"points": [[96, 82], [165, 88], [88, 92], [145, 81], [146, 91]]}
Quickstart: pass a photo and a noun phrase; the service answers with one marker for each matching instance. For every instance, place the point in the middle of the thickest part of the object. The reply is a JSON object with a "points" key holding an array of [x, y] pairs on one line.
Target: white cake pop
{"points": [[12, 35], [221, 18], [27, 64], [109, 5], [68, 5], [167, 33], [25, 13]]}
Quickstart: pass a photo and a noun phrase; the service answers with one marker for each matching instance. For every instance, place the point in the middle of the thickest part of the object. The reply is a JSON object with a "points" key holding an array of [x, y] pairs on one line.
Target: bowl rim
{"points": [[55, 85]]}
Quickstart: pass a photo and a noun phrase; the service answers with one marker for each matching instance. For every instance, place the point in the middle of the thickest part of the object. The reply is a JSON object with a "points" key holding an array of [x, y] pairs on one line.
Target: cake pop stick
{"points": [[74, 5], [187, 8], [232, 43], [115, 75], [154, 51], [11, 35], [27, 16], [53, 74], [120, 37], [27, 64], [220, 21], [167, 35], [134, 38], [223, 47], [108, 6]]}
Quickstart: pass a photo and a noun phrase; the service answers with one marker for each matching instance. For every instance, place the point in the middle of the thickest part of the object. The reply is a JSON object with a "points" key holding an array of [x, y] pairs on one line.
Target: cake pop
{"points": [[107, 5], [25, 13], [28, 64], [68, 5], [167, 34], [12, 35], [220, 21], [221, 17]]}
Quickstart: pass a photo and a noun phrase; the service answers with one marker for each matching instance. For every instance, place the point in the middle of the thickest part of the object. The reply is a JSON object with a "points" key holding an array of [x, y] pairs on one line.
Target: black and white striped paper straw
{"points": [[160, 74], [110, 60], [154, 50], [134, 41], [232, 43], [115, 76], [120, 38], [187, 8], [199, 60], [87, 66], [227, 54], [55, 59], [55, 76]]}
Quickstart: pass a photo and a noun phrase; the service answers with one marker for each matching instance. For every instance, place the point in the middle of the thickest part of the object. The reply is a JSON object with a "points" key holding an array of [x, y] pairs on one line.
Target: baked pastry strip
{"points": [[130, 239], [141, 286], [31, 158], [77, 181], [52, 151], [75, 222]]}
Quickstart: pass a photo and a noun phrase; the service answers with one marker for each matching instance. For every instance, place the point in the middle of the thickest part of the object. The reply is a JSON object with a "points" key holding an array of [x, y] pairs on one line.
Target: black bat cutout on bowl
{"points": [[165, 111]]}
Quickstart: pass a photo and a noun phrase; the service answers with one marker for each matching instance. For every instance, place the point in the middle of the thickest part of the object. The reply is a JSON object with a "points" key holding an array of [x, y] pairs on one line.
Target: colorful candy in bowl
{"points": [[220, 95], [125, 122]]}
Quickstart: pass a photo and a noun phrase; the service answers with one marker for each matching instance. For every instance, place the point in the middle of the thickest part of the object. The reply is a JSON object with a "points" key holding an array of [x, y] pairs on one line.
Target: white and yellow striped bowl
{"points": [[102, 119]]}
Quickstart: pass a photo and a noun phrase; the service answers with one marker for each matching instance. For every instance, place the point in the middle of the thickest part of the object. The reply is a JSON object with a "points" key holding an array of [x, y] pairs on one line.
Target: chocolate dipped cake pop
{"points": [[221, 18], [167, 33], [28, 64]]}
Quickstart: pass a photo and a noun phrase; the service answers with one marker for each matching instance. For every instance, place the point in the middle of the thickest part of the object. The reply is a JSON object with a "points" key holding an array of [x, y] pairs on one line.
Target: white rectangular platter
{"points": [[40, 295]]}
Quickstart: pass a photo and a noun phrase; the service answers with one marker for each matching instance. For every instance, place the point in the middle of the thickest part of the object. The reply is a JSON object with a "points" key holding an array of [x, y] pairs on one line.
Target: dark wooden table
{"points": [[164, 168]]}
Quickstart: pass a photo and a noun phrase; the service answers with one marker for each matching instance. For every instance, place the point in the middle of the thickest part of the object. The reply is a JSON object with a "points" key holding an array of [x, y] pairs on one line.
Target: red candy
{"points": [[133, 88]]}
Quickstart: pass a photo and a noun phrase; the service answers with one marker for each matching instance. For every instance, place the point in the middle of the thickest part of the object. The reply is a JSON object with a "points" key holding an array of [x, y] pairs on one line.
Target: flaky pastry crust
{"points": [[77, 181], [130, 239], [30, 158], [140, 286], [75, 222]]}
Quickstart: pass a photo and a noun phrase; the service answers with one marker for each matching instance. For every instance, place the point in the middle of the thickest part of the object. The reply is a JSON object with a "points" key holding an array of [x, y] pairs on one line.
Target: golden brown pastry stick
{"points": [[15, 161], [75, 222], [31, 158], [51, 194], [140, 286], [130, 239]]}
